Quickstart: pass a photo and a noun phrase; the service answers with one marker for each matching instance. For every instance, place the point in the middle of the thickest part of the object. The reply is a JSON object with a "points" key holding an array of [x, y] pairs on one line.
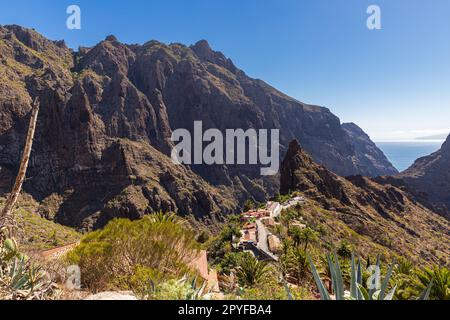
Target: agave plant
{"points": [[357, 290], [19, 278], [183, 289], [374, 293]]}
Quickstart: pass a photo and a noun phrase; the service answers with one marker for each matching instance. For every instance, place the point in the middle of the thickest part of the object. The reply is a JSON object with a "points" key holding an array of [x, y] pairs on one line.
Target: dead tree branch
{"points": [[6, 218]]}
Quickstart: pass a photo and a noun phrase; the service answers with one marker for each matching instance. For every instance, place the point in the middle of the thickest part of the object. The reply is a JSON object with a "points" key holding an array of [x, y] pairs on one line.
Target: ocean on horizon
{"points": [[402, 154]]}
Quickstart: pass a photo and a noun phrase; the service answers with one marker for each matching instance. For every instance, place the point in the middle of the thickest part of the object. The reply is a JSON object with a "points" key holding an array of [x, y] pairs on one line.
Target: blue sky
{"points": [[394, 82]]}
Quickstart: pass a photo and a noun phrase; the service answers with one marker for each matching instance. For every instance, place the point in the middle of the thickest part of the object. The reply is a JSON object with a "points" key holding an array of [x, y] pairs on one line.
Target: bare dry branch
{"points": [[6, 214]]}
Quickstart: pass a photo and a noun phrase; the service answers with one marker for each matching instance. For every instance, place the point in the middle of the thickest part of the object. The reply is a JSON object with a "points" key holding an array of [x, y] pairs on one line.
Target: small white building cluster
{"points": [[251, 230]]}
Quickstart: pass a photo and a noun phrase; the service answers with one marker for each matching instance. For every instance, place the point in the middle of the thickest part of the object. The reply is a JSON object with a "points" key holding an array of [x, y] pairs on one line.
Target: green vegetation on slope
{"points": [[308, 230], [20, 278], [35, 233], [135, 254]]}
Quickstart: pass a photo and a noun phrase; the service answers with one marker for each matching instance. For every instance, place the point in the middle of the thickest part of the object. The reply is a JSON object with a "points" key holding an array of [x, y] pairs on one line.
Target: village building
{"points": [[200, 264], [274, 208], [249, 235], [250, 215]]}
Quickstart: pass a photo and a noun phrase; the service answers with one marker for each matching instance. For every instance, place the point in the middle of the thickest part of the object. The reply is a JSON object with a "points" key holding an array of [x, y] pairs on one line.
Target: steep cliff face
{"points": [[107, 114], [383, 213], [100, 148], [368, 156], [299, 172], [430, 178]]}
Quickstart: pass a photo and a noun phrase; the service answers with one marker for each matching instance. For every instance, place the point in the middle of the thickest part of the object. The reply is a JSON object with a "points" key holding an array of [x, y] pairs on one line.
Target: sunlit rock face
{"points": [[430, 176], [107, 114]]}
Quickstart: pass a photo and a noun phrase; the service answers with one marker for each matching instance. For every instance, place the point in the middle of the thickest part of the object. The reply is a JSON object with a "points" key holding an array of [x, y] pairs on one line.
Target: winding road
{"points": [[263, 244]]}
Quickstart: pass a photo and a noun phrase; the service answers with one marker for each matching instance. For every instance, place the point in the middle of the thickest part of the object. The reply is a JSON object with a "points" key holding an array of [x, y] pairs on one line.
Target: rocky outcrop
{"points": [[367, 155], [381, 209], [429, 178], [299, 172], [107, 115], [275, 244]]}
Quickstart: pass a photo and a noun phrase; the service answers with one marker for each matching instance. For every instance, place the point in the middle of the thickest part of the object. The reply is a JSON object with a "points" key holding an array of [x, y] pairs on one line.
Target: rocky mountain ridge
{"points": [[383, 213], [430, 178], [107, 113]]}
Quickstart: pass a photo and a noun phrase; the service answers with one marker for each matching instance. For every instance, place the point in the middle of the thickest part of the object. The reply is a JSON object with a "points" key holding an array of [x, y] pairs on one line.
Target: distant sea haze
{"points": [[402, 154]]}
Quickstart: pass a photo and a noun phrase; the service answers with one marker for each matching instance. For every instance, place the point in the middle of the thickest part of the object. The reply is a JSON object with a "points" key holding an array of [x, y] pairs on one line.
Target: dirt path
{"points": [[57, 252]]}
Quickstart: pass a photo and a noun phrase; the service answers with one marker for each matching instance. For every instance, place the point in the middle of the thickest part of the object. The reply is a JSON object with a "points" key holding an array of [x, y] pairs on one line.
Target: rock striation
{"points": [[107, 114], [429, 179], [379, 209]]}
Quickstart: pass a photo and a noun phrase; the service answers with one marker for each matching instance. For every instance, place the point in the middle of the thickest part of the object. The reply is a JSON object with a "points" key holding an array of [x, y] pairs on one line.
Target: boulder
{"points": [[111, 296], [275, 245]]}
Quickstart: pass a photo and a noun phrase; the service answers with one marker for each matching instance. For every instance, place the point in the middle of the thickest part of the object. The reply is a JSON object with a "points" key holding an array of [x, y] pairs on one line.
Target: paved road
{"points": [[293, 203], [263, 245], [262, 236]]}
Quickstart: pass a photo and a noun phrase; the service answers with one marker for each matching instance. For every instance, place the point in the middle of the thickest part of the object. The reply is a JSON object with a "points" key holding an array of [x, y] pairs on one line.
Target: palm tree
{"points": [[406, 283], [301, 258], [287, 218], [297, 236], [308, 236], [345, 250], [294, 263], [404, 266], [160, 217], [441, 282], [249, 205], [250, 271]]}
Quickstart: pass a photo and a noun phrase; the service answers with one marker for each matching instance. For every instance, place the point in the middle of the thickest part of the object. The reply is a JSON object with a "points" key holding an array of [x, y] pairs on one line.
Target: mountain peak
{"points": [[204, 51], [139, 93], [32, 39], [202, 45], [350, 126], [446, 145], [111, 38], [294, 147]]}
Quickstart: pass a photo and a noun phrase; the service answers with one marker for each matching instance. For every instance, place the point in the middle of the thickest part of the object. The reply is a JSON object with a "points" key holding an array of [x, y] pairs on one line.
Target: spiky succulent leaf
{"points": [[373, 290], [385, 283], [332, 273], [390, 295], [359, 272], [320, 286], [426, 293], [288, 290], [339, 279], [353, 279], [10, 245], [364, 295]]}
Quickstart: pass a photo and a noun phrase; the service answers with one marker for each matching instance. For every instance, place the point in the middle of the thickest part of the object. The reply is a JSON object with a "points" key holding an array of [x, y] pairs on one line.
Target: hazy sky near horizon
{"points": [[394, 82]]}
